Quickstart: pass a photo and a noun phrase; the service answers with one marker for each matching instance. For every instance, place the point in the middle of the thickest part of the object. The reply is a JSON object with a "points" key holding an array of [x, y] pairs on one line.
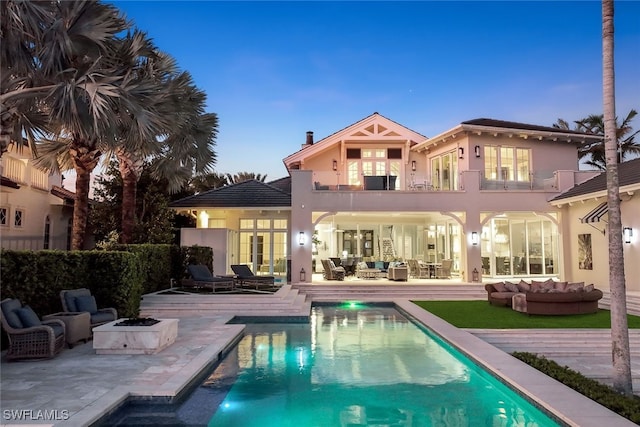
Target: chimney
{"points": [[309, 139]]}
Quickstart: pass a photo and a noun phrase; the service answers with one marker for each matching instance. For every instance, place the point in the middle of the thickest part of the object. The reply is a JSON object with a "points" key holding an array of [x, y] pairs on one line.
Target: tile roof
{"points": [[247, 194], [628, 173], [516, 125], [283, 183]]}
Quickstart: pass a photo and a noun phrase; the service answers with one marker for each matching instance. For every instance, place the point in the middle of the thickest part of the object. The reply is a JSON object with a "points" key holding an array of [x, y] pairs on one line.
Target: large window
{"points": [[519, 246], [507, 163], [373, 162]]}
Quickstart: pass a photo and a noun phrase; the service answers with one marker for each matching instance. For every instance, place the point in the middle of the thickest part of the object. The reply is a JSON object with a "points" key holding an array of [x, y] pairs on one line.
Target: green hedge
{"points": [[115, 278], [157, 262], [628, 407]]}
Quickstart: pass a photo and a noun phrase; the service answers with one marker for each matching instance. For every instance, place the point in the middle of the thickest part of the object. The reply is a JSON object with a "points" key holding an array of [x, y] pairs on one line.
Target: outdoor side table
{"points": [[77, 325]]}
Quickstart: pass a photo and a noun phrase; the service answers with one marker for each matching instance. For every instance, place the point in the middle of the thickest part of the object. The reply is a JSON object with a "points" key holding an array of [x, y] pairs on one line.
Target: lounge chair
{"points": [[29, 337], [331, 272], [246, 278], [201, 277], [80, 300]]}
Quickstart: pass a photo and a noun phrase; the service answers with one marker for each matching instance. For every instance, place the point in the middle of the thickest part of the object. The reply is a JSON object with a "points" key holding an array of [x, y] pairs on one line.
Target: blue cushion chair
{"points": [[81, 300], [29, 337], [201, 277]]}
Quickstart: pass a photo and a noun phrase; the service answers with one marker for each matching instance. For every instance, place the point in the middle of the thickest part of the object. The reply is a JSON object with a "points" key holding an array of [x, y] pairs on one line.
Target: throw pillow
{"points": [[524, 286], [87, 303], [499, 286], [10, 310], [589, 288], [536, 286], [547, 285], [560, 286], [28, 317], [575, 287], [511, 287], [380, 265]]}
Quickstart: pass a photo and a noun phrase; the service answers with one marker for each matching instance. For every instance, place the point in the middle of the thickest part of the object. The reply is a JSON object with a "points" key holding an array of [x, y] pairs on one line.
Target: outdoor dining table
{"points": [[433, 266]]}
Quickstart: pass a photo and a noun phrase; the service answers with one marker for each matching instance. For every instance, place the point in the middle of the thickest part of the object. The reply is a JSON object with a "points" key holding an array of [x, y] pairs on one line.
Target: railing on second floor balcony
{"points": [[537, 180]]}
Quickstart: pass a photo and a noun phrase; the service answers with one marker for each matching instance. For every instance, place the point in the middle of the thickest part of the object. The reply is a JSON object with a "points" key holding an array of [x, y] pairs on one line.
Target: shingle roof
{"points": [[628, 173], [248, 194], [516, 125]]}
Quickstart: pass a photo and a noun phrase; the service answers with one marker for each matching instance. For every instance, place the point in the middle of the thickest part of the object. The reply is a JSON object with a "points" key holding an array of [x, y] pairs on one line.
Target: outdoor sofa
{"points": [[548, 297]]}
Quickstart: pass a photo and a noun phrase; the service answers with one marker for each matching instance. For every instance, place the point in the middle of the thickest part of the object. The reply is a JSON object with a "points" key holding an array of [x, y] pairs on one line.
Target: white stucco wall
{"points": [[599, 275], [215, 238]]}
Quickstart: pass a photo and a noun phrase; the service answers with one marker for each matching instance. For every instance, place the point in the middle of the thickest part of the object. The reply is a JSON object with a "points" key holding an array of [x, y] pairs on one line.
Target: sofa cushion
{"points": [[28, 317], [542, 287], [524, 286], [70, 300], [511, 287], [502, 295], [589, 288], [560, 286], [575, 287], [87, 303], [102, 317], [499, 286], [9, 310]]}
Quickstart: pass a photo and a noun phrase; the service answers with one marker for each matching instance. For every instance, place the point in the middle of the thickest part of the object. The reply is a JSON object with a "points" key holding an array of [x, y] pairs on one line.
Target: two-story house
{"points": [[36, 212], [477, 194]]}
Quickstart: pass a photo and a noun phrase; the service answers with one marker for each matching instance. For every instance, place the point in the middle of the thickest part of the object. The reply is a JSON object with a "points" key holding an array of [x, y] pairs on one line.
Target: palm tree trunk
{"points": [[129, 172], [619, 327], [85, 157]]}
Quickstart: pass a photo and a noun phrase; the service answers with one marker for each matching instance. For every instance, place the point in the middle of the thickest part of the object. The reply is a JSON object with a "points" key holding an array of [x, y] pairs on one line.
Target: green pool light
{"points": [[353, 304]]}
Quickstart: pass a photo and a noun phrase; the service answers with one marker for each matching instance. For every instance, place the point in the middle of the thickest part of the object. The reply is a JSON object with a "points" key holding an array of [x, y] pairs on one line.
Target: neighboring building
{"points": [[478, 194], [35, 211]]}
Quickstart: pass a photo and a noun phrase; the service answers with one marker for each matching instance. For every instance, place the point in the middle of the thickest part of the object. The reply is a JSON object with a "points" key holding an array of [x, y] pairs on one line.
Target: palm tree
{"points": [[245, 176], [40, 41], [206, 182], [183, 141], [595, 152], [619, 326], [90, 109]]}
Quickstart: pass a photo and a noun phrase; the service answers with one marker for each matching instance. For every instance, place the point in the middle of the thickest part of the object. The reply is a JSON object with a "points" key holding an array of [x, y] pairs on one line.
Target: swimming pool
{"points": [[349, 366]]}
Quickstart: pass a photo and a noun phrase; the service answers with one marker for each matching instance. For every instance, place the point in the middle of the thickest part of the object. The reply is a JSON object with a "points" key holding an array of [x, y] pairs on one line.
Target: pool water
{"points": [[362, 366]]}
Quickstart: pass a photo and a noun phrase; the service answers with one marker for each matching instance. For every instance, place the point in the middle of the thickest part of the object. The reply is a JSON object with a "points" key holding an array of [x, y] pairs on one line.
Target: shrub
{"points": [[628, 407]]}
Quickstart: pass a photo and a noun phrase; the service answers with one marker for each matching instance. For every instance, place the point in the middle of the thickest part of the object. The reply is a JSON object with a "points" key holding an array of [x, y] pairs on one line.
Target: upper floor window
{"points": [[507, 163], [373, 162], [4, 215], [18, 218]]}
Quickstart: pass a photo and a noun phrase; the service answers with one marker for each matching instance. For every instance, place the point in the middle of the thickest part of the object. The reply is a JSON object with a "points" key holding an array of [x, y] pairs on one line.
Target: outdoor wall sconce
{"points": [[335, 165], [474, 238], [627, 233], [477, 150], [461, 152], [413, 165], [303, 275], [302, 239]]}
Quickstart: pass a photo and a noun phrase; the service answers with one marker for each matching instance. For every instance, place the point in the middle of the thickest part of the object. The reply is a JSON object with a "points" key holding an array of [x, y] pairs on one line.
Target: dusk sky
{"points": [[274, 70]]}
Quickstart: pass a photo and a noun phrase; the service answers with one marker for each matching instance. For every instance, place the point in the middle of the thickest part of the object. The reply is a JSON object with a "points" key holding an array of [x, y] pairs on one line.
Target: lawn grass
{"points": [[482, 315]]}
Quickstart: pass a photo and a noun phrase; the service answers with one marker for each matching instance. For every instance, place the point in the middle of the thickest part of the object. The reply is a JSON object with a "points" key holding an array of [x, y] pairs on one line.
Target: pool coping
{"points": [[563, 403]]}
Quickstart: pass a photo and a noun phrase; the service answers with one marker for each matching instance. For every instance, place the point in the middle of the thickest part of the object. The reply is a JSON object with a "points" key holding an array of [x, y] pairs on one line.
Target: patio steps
{"points": [[554, 343], [587, 351], [633, 302], [341, 291], [286, 303]]}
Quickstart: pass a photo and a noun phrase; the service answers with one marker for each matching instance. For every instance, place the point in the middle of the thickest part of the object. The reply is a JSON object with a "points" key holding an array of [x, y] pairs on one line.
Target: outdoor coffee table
{"points": [[77, 325]]}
